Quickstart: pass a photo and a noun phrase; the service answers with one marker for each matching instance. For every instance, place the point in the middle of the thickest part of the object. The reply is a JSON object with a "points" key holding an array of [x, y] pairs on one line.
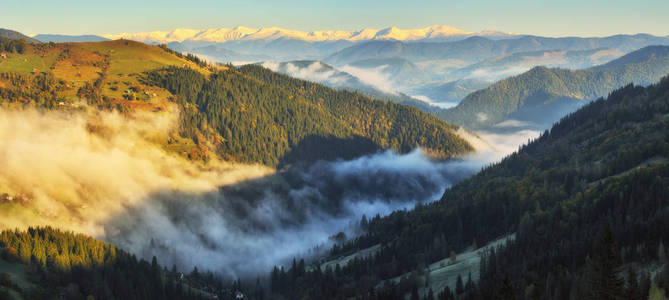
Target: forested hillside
{"points": [[43, 263], [255, 115], [587, 202], [249, 115], [477, 48], [541, 94]]}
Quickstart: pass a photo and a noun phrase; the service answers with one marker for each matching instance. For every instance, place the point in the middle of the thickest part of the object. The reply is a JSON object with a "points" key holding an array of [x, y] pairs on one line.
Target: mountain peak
{"points": [[220, 35]]}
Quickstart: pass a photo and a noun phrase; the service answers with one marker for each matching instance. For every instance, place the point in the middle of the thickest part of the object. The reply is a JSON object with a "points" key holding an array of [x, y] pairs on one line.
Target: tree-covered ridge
{"points": [[254, 115], [76, 266], [604, 165], [542, 86], [15, 35], [246, 115]]}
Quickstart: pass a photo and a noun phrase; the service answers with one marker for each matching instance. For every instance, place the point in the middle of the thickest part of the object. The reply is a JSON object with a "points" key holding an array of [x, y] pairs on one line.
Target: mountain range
{"points": [[319, 72], [60, 38], [477, 48], [220, 35], [543, 95], [580, 212]]}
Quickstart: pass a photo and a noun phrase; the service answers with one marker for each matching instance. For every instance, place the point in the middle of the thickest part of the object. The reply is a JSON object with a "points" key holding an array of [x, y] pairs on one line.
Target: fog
{"points": [[375, 77], [428, 100], [76, 169], [247, 228], [109, 176], [490, 74]]}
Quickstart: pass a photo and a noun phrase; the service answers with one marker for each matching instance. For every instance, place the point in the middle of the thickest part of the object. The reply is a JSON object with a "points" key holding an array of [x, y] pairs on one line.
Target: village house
{"points": [[6, 198]]}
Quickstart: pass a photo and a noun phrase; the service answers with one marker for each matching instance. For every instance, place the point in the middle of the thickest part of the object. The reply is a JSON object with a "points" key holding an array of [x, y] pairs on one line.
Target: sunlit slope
{"points": [[125, 57], [55, 74], [238, 115]]}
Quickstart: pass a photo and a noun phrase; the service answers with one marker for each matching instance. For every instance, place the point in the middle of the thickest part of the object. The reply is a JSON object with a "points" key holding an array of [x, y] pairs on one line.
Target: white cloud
{"points": [[428, 100], [375, 77], [492, 75], [510, 123], [508, 142]]}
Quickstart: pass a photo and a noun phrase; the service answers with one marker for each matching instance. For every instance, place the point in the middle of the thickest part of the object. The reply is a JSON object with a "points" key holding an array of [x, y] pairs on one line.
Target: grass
{"points": [[123, 63], [128, 57], [344, 260], [442, 274], [75, 64], [26, 63]]}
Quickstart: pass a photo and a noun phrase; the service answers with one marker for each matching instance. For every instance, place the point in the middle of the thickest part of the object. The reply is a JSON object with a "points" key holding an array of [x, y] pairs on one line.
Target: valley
{"points": [[161, 151]]}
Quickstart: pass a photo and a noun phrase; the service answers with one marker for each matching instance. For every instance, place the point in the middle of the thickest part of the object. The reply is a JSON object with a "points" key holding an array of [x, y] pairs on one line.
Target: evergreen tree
{"points": [[506, 290], [632, 289], [430, 295], [603, 269], [459, 286], [414, 293]]}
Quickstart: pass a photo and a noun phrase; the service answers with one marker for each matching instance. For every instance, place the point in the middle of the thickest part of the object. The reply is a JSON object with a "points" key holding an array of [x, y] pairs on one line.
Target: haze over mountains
{"points": [[437, 64], [60, 38], [544, 95], [438, 70]]}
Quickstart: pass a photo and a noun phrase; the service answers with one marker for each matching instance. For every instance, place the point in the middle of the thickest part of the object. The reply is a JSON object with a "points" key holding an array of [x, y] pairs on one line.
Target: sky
{"points": [[546, 18]]}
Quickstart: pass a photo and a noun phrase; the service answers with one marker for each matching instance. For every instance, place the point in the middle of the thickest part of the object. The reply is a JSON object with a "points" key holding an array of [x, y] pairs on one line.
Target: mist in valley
{"points": [[110, 176]]}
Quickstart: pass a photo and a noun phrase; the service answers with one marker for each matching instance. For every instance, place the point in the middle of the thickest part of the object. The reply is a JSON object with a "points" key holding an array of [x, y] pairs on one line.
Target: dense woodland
{"points": [[12, 45], [541, 86], [64, 265], [587, 201], [252, 114]]}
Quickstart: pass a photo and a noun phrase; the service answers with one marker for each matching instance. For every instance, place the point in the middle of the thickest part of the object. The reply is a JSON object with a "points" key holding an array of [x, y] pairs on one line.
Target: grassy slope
{"points": [[121, 62], [78, 63]]}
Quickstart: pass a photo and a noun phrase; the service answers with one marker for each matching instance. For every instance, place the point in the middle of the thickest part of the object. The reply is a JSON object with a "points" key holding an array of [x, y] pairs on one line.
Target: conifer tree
{"points": [[603, 269]]}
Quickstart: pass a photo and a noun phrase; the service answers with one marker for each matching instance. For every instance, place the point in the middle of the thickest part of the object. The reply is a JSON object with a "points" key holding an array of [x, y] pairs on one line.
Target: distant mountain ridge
{"points": [[219, 35], [476, 48], [546, 94], [319, 72], [15, 35], [506, 65], [60, 38]]}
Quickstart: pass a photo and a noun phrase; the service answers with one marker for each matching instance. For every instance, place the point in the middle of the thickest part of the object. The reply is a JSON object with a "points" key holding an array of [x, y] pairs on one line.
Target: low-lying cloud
{"points": [[428, 100], [375, 77], [244, 229], [74, 170], [315, 72], [109, 175], [490, 74]]}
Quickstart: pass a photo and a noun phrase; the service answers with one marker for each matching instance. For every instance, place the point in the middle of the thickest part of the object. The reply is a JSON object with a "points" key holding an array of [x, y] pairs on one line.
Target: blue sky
{"points": [[549, 18]]}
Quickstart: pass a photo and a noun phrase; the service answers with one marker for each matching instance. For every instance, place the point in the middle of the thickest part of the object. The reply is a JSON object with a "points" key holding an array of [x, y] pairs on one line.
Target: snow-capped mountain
{"points": [[240, 33]]}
